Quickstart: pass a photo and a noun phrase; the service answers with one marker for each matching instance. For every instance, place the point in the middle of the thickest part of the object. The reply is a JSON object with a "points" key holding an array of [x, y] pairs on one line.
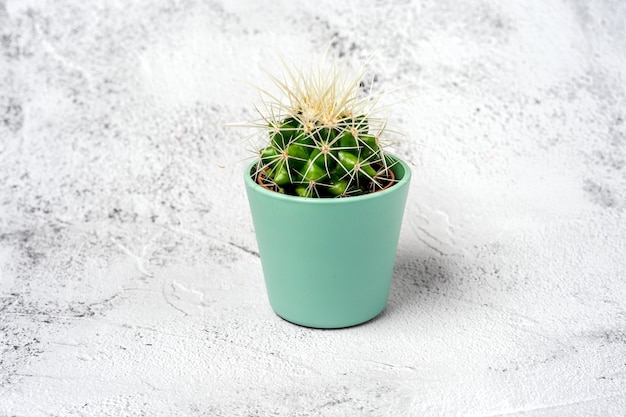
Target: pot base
{"points": [[330, 327]]}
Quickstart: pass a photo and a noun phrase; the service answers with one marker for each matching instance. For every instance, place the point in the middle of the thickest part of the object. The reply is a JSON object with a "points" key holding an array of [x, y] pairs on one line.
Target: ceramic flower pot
{"points": [[328, 262]]}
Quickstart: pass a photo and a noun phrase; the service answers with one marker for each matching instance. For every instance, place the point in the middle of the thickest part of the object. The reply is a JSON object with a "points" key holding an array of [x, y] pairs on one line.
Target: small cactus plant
{"points": [[322, 139]]}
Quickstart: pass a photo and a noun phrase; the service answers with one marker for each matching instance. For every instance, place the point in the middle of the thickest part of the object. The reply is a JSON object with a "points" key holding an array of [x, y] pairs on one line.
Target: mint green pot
{"points": [[328, 262]]}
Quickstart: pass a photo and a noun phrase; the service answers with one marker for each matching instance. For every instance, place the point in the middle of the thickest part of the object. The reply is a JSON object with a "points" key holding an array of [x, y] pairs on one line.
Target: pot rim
{"points": [[401, 182]]}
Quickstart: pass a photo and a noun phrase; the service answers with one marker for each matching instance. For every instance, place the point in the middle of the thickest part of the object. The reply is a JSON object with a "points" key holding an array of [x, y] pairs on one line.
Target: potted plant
{"points": [[326, 198]]}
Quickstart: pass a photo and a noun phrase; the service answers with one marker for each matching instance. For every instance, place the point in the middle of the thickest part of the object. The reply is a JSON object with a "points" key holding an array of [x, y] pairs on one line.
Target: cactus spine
{"points": [[323, 140]]}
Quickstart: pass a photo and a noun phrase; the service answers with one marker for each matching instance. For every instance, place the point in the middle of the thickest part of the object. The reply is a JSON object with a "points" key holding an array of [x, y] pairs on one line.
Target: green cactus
{"points": [[325, 142]]}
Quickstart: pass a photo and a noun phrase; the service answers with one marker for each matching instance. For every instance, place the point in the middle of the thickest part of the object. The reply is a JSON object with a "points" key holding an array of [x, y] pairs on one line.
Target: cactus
{"points": [[325, 141]]}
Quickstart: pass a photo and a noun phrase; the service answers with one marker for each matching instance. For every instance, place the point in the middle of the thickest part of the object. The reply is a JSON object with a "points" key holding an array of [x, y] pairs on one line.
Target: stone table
{"points": [[130, 281]]}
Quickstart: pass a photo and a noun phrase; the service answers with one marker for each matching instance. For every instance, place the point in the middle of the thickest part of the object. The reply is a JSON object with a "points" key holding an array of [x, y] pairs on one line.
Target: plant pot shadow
{"points": [[418, 278]]}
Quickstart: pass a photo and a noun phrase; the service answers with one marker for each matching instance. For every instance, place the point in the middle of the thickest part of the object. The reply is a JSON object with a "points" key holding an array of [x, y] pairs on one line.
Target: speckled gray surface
{"points": [[130, 282]]}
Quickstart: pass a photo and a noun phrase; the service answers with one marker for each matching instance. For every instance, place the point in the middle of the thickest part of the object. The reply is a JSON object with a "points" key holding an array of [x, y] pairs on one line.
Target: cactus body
{"points": [[324, 142]]}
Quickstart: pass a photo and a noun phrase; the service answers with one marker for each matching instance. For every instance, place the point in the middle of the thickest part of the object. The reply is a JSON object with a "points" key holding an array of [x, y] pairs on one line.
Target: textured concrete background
{"points": [[129, 278]]}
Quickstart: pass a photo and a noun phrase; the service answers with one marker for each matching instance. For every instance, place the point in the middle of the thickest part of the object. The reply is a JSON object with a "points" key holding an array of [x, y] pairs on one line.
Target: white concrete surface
{"points": [[129, 278]]}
